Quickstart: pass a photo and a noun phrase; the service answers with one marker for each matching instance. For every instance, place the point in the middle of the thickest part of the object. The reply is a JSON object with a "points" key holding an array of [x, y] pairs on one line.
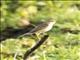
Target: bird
{"points": [[42, 27]]}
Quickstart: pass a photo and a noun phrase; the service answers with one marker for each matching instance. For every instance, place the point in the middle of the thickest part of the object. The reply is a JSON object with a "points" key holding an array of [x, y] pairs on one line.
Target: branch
{"points": [[38, 44]]}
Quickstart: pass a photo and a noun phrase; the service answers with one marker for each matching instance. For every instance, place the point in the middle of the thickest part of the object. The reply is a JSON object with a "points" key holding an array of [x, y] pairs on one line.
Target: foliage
{"points": [[59, 46]]}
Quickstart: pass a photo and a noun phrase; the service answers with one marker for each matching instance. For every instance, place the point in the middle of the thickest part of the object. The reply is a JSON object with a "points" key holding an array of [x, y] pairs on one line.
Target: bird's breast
{"points": [[49, 27]]}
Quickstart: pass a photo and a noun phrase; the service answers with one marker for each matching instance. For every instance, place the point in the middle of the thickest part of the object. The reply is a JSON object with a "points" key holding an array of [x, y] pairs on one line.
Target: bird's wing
{"points": [[39, 27]]}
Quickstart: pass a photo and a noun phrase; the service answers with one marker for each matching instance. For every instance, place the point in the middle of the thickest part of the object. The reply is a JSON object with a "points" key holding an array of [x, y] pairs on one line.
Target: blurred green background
{"points": [[61, 45]]}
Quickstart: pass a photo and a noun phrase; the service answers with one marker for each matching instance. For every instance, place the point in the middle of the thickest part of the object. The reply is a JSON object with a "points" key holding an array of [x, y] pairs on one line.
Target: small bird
{"points": [[42, 28]]}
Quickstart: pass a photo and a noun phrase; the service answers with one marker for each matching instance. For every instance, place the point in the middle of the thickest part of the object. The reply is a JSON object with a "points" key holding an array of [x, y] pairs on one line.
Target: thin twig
{"points": [[38, 44]]}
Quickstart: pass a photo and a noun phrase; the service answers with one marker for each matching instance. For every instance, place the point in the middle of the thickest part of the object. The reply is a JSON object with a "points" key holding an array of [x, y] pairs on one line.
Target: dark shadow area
{"points": [[13, 33]]}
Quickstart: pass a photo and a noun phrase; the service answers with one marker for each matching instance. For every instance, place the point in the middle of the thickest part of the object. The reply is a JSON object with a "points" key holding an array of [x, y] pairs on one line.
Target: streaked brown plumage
{"points": [[41, 28]]}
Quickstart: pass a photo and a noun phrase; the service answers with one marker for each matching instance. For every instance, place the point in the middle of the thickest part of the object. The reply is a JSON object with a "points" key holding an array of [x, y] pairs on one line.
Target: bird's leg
{"points": [[38, 36], [35, 36]]}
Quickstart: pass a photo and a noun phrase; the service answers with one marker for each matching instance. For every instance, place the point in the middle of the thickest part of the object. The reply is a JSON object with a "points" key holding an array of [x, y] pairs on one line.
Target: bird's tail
{"points": [[26, 34]]}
